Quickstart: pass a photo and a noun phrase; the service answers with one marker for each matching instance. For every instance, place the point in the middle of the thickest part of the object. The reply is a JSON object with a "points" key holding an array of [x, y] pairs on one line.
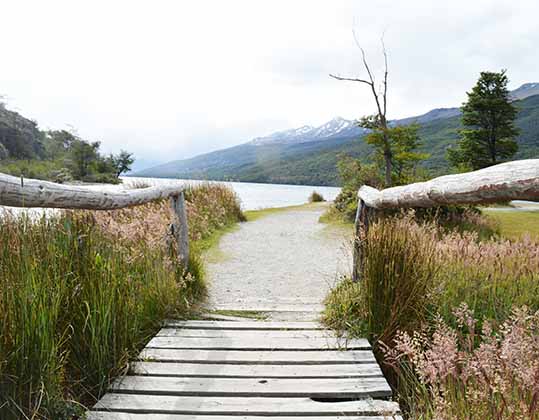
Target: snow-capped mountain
{"points": [[527, 89], [307, 155], [337, 127]]}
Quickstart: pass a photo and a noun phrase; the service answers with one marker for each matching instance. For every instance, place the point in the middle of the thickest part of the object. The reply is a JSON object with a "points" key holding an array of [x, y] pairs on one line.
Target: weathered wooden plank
{"points": [[376, 387], [36, 193], [167, 404], [358, 370], [517, 180], [244, 325], [218, 317], [101, 415], [258, 357], [269, 306], [255, 343], [256, 334]]}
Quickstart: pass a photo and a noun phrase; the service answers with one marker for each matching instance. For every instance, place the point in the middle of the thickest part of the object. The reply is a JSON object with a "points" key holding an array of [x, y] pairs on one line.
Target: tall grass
{"points": [[81, 293], [416, 277], [398, 274], [455, 372]]}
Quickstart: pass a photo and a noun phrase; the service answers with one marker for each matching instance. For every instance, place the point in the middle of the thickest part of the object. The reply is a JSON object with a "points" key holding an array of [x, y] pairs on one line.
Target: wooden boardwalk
{"points": [[226, 370]]}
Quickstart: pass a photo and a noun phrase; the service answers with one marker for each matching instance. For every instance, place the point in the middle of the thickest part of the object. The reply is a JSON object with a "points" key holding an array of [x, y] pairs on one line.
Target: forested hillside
{"points": [[314, 162], [56, 155], [19, 136]]}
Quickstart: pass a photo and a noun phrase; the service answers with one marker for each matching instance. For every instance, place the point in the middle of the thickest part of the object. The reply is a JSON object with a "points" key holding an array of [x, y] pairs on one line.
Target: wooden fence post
{"points": [[361, 228], [179, 228]]}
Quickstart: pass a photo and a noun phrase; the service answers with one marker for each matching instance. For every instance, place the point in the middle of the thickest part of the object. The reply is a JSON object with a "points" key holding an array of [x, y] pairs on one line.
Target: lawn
{"points": [[515, 224]]}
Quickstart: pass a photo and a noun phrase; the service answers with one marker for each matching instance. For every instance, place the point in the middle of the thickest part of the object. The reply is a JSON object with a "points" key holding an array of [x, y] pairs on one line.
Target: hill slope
{"points": [[19, 136], [301, 157]]}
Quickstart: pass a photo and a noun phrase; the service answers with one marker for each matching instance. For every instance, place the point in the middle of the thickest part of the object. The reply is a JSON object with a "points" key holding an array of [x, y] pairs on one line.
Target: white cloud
{"points": [[169, 79]]}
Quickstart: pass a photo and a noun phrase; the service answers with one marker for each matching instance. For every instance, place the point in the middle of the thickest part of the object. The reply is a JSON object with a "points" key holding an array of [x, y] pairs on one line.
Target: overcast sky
{"points": [[171, 79]]}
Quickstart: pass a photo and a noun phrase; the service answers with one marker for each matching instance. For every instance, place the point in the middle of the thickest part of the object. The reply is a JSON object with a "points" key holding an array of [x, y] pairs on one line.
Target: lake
{"points": [[254, 196]]}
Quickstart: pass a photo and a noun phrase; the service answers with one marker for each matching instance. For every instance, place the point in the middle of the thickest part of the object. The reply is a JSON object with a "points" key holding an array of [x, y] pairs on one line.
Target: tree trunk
{"points": [[388, 158], [35, 193], [517, 180]]}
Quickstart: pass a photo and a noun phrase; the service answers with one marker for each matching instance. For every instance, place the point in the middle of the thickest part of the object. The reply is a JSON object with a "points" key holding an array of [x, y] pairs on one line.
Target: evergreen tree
{"points": [[488, 117]]}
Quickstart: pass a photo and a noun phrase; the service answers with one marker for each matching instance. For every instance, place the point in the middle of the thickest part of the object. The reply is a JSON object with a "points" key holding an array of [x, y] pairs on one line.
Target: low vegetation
{"points": [[453, 317], [516, 224], [316, 197], [82, 292]]}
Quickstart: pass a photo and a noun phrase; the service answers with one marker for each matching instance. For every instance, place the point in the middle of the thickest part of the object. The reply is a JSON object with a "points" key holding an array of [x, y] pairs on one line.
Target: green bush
{"points": [[316, 197], [354, 174]]}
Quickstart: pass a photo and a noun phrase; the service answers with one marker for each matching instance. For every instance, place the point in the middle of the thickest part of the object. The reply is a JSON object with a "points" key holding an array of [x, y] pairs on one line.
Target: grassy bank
{"points": [[516, 224], [252, 215], [82, 292], [452, 315]]}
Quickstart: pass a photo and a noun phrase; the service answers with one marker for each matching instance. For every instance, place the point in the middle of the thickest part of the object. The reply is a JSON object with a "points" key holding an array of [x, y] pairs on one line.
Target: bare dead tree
{"points": [[378, 121]]}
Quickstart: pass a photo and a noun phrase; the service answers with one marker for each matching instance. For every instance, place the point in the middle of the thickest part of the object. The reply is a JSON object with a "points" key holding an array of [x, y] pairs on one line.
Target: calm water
{"points": [[255, 196]]}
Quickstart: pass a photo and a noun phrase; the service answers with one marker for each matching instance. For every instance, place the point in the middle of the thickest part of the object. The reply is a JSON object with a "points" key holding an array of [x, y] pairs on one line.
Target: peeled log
{"points": [[518, 180], [17, 192]]}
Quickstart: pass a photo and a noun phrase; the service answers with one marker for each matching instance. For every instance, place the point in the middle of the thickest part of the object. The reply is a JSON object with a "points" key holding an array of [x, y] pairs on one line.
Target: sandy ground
{"points": [[283, 263]]}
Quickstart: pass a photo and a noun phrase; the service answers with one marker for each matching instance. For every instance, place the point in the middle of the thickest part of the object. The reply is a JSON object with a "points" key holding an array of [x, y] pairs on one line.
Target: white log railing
{"points": [[21, 192], [518, 180]]}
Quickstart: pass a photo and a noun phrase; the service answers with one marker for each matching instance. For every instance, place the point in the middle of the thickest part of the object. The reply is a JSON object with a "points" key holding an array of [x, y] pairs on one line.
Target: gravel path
{"points": [[283, 263]]}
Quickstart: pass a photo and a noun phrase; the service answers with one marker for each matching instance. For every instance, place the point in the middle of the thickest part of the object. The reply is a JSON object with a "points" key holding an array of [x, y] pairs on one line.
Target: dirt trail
{"points": [[284, 263]]}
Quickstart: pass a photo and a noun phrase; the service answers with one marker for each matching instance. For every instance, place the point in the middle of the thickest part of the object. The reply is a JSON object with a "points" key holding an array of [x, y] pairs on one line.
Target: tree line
{"points": [[57, 155]]}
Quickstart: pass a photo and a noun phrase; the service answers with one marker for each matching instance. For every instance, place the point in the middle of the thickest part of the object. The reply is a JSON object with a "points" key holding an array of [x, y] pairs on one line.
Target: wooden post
{"points": [[179, 228], [361, 228]]}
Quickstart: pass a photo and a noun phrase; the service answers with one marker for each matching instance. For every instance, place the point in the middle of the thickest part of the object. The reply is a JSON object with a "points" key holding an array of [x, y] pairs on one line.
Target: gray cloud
{"points": [[172, 79]]}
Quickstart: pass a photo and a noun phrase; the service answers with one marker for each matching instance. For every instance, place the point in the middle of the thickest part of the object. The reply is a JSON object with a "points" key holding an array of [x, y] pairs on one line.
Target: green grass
{"points": [[75, 307], [241, 314], [515, 224], [417, 273], [252, 215], [211, 241], [208, 247], [82, 292], [398, 270], [334, 217]]}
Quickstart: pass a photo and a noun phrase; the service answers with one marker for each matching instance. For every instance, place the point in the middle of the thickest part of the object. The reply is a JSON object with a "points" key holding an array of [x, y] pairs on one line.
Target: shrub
{"points": [[316, 197], [353, 174]]}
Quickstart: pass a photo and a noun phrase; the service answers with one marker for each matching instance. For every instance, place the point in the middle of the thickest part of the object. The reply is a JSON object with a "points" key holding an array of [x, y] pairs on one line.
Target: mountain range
{"points": [[308, 155]]}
